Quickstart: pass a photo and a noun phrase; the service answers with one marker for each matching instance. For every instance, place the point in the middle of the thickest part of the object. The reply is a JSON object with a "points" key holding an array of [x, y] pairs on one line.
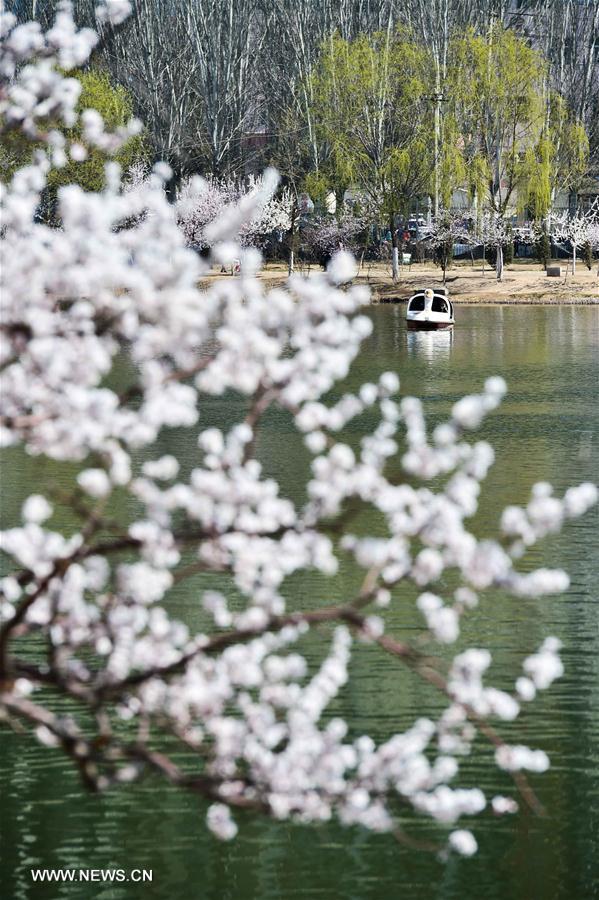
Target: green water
{"points": [[548, 429]]}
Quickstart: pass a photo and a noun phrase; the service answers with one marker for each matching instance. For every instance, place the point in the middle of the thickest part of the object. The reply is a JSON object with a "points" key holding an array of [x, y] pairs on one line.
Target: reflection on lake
{"points": [[547, 429], [430, 345]]}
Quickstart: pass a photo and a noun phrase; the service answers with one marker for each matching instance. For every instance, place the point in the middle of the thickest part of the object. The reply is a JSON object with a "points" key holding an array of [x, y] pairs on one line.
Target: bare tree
{"points": [[189, 68], [152, 56], [225, 36]]}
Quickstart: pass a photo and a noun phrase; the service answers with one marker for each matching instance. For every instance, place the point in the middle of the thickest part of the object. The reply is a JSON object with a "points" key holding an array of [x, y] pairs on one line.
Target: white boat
{"points": [[430, 308]]}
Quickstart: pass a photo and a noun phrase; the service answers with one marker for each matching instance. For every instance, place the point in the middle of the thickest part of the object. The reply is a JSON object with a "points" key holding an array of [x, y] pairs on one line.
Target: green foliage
{"points": [[114, 105], [543, 249], [371, 108], [535, 195], [478, 175], [495, 84], [317, 186], [404, 173], [519, 143], [587, 255], [370, 124], [559, 159], [570, 144], [508, 250], [452, 165]]}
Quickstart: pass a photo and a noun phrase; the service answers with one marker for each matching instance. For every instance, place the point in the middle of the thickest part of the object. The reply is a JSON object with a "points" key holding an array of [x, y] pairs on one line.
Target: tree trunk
{"points": [[394, 251], [395, 263], [339, 203], [574, 259], [171, 187], [437, 135], [499, 263], [292, 237]]}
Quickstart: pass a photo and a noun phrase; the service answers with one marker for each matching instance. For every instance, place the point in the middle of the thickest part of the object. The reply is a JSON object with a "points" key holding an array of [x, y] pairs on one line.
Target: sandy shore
{"points": [[523, 282]]}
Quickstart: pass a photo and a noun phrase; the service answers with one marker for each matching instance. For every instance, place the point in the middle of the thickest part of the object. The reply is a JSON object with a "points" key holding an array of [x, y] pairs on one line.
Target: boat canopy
{"points": [[440, 303]]}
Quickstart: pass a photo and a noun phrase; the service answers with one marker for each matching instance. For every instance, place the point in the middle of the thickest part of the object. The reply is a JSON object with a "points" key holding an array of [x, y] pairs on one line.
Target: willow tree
{"points": [[495, 84], [371, 106], [558, 161]]}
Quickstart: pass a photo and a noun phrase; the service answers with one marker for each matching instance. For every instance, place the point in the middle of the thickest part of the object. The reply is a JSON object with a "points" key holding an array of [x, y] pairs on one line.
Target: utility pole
{"points": [[438, 98]]}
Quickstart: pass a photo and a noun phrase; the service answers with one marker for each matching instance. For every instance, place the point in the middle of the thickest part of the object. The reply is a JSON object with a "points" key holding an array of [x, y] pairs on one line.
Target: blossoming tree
{"points": [[578, 230], [495, 231], [326, 235], [85, 614], [201, 201], [442, 233], [593, 238]]}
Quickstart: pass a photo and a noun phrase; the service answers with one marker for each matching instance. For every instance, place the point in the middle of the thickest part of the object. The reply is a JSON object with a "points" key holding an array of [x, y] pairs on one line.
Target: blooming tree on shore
{"points": [[201, 202], [495, 231], [578, 230], [326, 235], [442, 233], [593, 238], [85, 614]]}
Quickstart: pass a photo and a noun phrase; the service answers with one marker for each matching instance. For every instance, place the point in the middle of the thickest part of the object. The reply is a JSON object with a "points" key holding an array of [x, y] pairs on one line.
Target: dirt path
{"points": [[523, 282]]}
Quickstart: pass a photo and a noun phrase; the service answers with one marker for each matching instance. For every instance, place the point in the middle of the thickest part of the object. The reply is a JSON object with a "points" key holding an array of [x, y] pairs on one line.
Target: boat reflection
{"points": [[430, 345]]}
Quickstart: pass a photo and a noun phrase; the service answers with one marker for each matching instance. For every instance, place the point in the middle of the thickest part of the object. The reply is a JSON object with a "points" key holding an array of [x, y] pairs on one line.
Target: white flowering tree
{"points": [[86, 615], [324, 236], [495, 231], [201, 202], [578, 230], [442, 233], [593, 237]]}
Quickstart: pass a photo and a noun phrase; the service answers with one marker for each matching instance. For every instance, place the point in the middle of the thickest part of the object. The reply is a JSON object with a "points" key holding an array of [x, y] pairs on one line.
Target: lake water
{"points": [[547, 429]]}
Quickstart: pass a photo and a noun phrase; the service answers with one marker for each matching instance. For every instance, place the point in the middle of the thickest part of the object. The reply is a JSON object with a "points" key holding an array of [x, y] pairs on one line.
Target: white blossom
{"points": [[544, 667], [94, 482], [503, 805], [516, 758], [463, 842], [113, 11], [36, 509], [342, 267], [220, 823]]}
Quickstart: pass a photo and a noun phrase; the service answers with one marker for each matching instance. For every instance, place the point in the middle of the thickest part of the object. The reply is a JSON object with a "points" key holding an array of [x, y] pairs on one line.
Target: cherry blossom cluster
{"points": [[578, 229], [446, 228], [37, 99], [489, 229], [201, 202], [112, 298], [324, 236]]}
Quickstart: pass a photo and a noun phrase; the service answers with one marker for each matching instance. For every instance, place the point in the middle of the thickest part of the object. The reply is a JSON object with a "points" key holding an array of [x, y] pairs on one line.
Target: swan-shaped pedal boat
{"points": [[430, 308]]}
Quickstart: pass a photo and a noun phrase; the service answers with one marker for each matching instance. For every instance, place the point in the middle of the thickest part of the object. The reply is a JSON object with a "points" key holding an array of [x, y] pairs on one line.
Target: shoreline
{"points": [[529, 300], [525, 283]]}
